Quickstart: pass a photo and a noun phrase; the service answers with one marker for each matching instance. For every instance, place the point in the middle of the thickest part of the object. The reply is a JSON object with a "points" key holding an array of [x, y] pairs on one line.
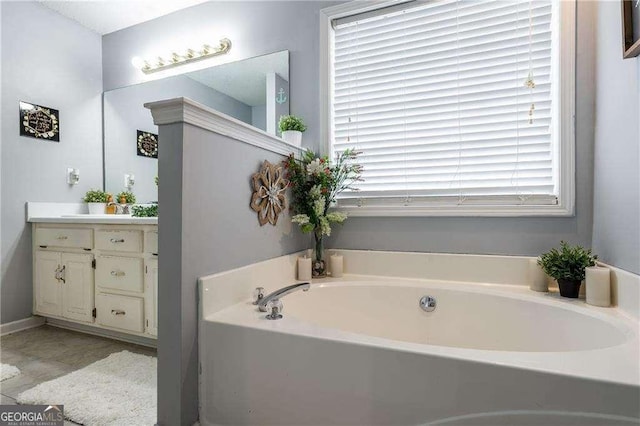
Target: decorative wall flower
{"points": [[268, 199]]}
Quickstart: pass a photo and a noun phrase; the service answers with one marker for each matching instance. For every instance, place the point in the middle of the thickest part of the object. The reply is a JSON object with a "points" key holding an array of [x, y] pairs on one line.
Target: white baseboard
{"points": [[96, 331], [23, 324]]}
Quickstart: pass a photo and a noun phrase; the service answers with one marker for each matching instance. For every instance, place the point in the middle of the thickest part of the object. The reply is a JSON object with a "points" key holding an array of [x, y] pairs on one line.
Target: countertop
{"points": [[38, 212], [100, 219]]}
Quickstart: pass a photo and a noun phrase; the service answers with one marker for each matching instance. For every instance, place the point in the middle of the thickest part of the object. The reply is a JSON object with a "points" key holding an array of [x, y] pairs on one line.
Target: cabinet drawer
{"points": [[64, 237], [120, 273], [129, 241], [122, 312], [151, 242]]}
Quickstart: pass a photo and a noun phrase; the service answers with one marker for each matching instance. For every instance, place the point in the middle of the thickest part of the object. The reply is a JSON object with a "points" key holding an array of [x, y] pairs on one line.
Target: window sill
{"points": [[458, 211]]}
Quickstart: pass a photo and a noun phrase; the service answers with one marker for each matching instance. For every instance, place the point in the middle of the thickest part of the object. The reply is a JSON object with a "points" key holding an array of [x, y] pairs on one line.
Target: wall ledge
{"points": [[185, 110]]}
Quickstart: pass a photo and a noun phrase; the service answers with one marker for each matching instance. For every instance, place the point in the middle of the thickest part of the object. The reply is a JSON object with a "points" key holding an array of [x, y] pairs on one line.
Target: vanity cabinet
{"points": [[64, 285], [99, 274]]}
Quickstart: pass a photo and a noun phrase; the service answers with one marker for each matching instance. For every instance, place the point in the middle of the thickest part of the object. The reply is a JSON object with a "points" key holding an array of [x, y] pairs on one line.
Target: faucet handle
{"points": [[275, 307], [258, 295]]}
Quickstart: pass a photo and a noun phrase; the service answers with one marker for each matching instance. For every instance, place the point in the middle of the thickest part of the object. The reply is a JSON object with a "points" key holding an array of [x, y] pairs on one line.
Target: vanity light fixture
{"points": [[149, 66]]}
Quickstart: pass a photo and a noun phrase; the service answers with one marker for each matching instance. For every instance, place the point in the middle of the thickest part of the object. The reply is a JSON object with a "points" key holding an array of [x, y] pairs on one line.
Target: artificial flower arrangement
{"points": [[315, 184]]}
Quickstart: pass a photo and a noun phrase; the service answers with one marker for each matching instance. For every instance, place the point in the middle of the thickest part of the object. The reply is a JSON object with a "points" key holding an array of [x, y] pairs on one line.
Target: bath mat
{"points": [[119, 390], [8, 371]]}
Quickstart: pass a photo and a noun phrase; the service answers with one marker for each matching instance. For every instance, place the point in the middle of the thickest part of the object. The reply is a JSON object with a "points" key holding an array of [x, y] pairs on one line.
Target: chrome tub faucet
{"points": [[273, 300]]}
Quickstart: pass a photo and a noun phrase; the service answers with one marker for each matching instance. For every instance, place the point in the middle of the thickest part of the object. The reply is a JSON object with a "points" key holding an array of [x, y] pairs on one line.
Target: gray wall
{"points": [[509, 236], [206, 226], [255, 28], [124, 113], [260, 28], [616, 200], [52, 61], [259, 117]]}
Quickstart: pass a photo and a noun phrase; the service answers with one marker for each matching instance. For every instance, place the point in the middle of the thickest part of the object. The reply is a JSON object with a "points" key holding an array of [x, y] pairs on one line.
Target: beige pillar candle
{"points": [[537, 277], [598, 284], [304, 269], [336, 265]]}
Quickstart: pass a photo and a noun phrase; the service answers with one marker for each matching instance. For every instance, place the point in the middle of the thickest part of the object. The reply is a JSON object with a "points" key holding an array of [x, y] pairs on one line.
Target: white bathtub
{"points": [[362, 352], [466, 317]]}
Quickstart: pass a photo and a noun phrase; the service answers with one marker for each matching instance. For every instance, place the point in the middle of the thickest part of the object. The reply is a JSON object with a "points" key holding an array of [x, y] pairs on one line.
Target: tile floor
{"points": [[45, 353]]}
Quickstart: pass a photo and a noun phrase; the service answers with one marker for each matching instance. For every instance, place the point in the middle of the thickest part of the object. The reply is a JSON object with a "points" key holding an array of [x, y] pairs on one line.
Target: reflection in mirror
{"points": [[254, 90]]}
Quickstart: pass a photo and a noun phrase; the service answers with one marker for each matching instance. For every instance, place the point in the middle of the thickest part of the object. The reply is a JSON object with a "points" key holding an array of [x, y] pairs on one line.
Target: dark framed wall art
{"points": [[147, 144], [40, 122], [630, 28]]}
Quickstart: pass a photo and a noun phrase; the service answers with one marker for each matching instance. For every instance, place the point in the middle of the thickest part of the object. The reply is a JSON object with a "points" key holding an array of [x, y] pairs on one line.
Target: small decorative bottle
{"points": [[111, 206], [124, 205]]}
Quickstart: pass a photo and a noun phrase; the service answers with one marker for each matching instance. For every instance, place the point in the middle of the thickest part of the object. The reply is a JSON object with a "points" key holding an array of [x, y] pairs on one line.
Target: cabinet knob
{"points": [[117, 312], [117, 273], [117, 240], [62, 237]]}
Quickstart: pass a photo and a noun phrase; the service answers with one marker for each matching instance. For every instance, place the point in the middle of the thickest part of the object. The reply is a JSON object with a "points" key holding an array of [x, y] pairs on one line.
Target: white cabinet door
{"points": [[77, 287], [151, 296], [47, 286]]}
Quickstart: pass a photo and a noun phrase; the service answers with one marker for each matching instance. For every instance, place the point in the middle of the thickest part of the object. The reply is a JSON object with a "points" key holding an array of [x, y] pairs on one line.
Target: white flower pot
{"points": [[293, 137], [97, 208]]}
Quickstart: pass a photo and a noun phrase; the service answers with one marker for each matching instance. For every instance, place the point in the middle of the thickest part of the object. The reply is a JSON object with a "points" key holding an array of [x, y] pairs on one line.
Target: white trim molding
{"points": [[23, 324], [185, 110], [564, 140], [567, 107]]}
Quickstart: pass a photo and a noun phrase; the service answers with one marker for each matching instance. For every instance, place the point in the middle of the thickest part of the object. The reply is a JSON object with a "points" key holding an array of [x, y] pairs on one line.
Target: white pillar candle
{"points": [[304, 269], [598, 286], [336, 265], [537, 277]]}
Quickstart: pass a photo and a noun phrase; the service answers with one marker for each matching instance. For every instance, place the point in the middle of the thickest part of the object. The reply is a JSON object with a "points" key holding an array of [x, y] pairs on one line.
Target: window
{"points": [[458, 107]]}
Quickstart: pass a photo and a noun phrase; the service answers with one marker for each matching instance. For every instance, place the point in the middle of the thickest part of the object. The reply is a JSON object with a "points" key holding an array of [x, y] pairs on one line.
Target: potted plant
{"points": [[315, 184], [567, 265], [291, 128], [145, 211], [126, 197], [96, 201]]}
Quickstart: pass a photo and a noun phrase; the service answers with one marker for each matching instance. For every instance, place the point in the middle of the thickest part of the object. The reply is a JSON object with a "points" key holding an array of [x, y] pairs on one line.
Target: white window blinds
{"points": [[448, 100]]}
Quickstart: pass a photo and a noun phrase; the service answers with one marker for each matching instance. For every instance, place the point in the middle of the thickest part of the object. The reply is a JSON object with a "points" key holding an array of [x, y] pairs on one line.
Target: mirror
{"points": [[254, 90]]}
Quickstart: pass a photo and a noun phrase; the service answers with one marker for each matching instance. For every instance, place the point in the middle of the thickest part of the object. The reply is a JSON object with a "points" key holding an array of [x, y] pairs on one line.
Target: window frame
{"points": [[565, 149]]}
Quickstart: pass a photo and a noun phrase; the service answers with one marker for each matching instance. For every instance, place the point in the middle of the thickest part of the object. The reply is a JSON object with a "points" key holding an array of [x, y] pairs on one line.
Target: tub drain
{"points": [[428, 303]]}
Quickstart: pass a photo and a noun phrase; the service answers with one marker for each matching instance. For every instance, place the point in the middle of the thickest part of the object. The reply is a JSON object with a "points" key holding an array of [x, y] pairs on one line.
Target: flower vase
{"points": [[319, 266]]}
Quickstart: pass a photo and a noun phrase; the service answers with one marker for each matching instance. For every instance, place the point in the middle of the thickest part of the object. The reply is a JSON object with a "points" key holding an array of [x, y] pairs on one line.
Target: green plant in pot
{"points": [[145, 211], [291, 128], [126, 197], [567, 266], [96, 201]]}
